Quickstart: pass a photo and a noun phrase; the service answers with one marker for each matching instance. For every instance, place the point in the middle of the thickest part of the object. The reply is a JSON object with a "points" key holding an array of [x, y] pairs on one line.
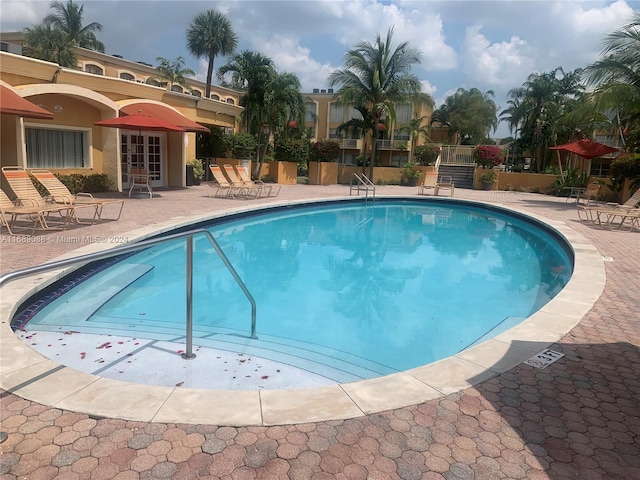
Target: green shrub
{"points": [[626, 167], [426, 154]]}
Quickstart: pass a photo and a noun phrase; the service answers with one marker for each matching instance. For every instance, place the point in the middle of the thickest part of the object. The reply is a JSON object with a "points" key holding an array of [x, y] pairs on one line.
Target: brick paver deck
{"points": [[577, 419]]}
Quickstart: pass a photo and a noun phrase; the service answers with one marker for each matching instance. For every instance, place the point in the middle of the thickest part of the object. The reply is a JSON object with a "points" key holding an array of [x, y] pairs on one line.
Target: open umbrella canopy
{"points": [[13, 104], [140, 122], [586, 148]]}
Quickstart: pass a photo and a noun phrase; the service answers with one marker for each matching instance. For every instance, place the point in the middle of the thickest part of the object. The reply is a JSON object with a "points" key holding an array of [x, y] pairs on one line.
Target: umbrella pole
{"points": [[560, 165]]}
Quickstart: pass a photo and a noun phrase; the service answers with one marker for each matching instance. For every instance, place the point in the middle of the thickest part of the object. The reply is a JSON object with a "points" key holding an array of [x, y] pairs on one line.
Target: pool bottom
{"points": [[135, 360]]}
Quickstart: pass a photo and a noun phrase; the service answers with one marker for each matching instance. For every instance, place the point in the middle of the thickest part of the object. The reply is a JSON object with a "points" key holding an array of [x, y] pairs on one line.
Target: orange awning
{"points": [[13, 104], [163, 113]]}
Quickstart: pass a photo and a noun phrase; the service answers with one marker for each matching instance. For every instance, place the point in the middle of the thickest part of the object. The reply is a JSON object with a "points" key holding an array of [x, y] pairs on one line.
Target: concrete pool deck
{"points": [[427, 389]]}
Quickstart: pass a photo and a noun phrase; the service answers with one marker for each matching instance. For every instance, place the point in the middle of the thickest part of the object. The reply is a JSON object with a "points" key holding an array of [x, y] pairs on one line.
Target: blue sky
{"points": [[489, 45]]}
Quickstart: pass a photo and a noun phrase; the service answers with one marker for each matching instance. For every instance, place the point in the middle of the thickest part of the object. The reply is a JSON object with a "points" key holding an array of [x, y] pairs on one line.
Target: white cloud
{"points": [[16, 15], [497, 64]]}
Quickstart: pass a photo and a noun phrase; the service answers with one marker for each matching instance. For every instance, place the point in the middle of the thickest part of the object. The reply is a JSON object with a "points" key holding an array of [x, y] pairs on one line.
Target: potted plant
{"points": [[487, 179], [411, 174], [195, 166]]}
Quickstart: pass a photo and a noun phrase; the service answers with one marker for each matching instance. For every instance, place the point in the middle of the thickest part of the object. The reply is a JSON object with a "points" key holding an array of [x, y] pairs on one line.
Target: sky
{"points": [[488, 45]]}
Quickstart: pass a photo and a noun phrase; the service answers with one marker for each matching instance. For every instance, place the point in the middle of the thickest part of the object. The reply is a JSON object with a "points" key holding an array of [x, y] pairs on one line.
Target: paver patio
{"points": [[578, 418]]}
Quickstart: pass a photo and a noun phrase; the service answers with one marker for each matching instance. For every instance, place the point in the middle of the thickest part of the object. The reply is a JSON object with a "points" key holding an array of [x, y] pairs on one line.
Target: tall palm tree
{"points": [[617, 80], [471, 114], [173, 71], [209, 35], [250, 72], [68, 19], [378, 77]]}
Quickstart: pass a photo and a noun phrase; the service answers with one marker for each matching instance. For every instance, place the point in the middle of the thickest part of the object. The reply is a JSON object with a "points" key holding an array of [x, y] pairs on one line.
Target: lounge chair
{"points": [[446, 184], [59, 193], [27, 194], [269, 189], [236, 181], [429, 183], [221, 185], [604, 215], [9, 212]]}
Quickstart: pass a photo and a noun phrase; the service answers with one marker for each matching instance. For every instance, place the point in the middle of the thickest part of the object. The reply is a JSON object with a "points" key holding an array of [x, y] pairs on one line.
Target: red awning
{"points": [[163, 113], [13, 104], [140, 122], [586, 148]]}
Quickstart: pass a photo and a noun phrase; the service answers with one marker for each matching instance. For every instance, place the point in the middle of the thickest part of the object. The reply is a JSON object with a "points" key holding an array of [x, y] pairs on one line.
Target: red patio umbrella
{"points": [[13, 104], [140, 122], [586, 148]]}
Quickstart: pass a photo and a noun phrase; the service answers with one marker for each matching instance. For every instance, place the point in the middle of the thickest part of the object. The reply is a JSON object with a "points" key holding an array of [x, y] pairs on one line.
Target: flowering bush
{"points": [[324, 151], [488, 156]]}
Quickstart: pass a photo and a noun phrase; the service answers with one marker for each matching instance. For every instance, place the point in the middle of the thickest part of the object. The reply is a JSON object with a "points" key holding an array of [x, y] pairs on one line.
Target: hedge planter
{"points": [[323, 173], [285, 173]]}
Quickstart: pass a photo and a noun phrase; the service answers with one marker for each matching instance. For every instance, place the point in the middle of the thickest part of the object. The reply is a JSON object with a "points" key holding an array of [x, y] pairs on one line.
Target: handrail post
{"points": [[188, 355]]}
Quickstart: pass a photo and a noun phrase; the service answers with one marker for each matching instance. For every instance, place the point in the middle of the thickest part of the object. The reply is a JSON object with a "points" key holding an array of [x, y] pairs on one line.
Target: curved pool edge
{"points": [[30, 375]]}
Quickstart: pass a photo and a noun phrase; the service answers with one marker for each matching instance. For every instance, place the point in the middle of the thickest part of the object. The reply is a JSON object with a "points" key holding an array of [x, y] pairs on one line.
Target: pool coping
{"points": [[27, 373]]}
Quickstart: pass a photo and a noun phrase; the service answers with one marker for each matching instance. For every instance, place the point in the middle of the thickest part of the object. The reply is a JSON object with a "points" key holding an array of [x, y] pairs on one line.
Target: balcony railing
{"points": [[392, 145]]}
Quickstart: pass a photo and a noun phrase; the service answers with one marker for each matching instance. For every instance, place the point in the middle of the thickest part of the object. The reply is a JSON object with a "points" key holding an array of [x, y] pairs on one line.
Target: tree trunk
{"points": [[207, 90]]}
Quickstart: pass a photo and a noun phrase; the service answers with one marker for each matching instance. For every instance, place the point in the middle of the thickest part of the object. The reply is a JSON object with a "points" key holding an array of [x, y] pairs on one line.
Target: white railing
{"points": [[457, 155]]}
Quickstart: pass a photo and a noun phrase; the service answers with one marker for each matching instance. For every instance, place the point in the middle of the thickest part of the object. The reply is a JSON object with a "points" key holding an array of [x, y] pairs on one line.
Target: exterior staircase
{"points": [[461, 175]]}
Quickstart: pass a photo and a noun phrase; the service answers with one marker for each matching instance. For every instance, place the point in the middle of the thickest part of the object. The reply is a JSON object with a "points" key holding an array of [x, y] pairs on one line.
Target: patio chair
{"points": [[59, 193], [429, 183], [9, 212], [246, 180], [605, 214], [446, 184], [237, 182], [139, 179], [590, 194], [221, 185], [27, 194]]}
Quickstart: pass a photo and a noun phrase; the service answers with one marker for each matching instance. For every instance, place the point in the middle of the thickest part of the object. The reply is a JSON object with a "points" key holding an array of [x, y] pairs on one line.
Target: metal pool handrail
{"points": [[90, 257]]}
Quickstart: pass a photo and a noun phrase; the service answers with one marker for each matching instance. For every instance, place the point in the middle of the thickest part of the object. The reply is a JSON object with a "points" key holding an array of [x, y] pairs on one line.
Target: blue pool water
{"points": [[345, 290]]}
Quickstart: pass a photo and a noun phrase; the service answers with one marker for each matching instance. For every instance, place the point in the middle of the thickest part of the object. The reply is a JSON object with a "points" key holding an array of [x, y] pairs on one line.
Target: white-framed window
{"points": [[92, 68], [350, 158], [336, 113], [310, 112], [399, 159], [333, 133], [177, 88], [600, 167], [231, 101], [403, 113], [57, 147], [127, 76], [214, 96]]}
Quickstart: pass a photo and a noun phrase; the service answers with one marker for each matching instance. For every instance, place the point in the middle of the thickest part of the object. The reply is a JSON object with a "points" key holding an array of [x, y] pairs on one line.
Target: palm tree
{"points": [[173, 71], [282, 102], [617, 79], [51, 45], [471, 114], [250, 72], [546, 101], [68, 19], [377, 77], [209, 35]]}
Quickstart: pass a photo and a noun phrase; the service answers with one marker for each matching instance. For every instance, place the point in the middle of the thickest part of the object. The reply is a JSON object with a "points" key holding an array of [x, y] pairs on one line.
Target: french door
{"points": [[144, 150]]}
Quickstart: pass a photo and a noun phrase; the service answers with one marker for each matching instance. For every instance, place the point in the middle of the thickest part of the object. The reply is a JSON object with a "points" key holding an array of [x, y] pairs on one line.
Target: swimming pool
{"points": [[348, 291]]}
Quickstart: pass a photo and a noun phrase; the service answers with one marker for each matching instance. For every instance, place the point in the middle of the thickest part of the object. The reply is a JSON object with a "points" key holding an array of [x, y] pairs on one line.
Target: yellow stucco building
{"points": [[103, 87]]}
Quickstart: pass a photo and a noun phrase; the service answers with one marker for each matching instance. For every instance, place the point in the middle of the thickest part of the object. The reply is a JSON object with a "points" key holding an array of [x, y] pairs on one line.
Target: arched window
{"points": [[95, 69], [197, 93], [231, 101], [215, 97], [127, 76], [176, 88]]}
